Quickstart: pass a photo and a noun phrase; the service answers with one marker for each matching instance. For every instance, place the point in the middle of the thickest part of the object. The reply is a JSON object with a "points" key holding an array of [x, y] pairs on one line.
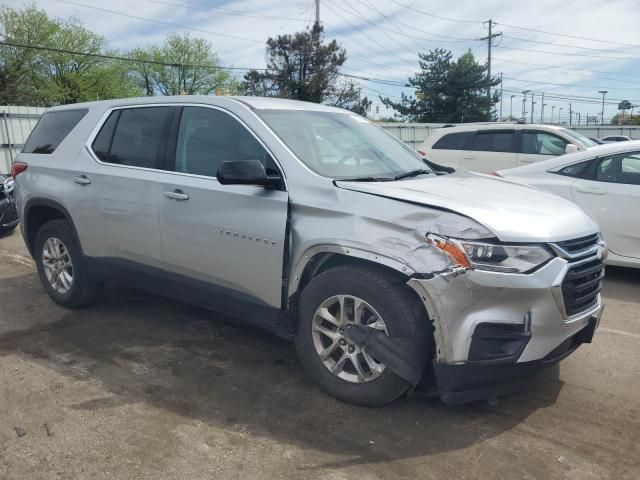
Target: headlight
{"points": [[491, 257]]}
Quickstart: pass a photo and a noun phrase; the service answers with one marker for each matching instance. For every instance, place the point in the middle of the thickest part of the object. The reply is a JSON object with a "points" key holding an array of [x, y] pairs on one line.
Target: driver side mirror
{"points": [[570, 148], [245, 172]]}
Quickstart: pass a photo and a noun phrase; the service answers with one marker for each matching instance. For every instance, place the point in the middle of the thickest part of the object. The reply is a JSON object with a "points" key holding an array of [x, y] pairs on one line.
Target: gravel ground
{"points": [[139, 386]]}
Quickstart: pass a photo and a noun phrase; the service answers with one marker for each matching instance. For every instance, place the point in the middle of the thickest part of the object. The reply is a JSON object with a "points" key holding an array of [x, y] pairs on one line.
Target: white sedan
{"points": [[604, 181]]}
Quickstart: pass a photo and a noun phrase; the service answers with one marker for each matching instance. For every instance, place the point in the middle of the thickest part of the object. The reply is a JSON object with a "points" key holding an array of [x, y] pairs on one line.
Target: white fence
{"points": [[15, 125], [17, 122]]}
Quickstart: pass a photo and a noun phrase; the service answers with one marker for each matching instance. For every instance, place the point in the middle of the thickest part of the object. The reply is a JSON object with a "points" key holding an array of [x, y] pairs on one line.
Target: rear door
{"points": [[231, 236], [611, 192], [538, 145], [116, 193], [490, 150]]}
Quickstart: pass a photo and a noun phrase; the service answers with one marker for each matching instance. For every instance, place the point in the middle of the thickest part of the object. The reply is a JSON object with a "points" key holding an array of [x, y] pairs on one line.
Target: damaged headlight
{"points": [[490, 256]]}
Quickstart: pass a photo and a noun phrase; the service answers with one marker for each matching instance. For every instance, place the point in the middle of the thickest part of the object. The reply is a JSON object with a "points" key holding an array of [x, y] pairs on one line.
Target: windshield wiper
{"points": [[413, 173], [365, 179]]}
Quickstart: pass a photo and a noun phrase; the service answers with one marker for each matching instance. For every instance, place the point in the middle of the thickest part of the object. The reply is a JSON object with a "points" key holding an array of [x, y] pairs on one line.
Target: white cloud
{"points": [[387, 36]]}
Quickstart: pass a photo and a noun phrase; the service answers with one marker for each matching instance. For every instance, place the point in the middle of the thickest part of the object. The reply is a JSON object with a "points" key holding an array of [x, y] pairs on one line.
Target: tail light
{"points": [[17, 168], [496, 174], [422, 153]]}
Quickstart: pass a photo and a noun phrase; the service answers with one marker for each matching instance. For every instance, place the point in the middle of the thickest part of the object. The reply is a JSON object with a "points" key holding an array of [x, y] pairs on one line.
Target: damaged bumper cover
{"points": [[493, 329]]}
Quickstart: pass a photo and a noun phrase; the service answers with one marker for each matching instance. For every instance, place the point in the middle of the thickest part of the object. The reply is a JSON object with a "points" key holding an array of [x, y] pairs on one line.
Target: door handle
{"points": [[469, 158], [527, 160], [82, 180], [591, 190], [177, 195]]}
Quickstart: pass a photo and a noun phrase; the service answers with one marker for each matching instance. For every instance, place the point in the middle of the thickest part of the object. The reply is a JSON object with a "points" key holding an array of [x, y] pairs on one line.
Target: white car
{"points": [[487, 147], [604, 181], [615, 138]]}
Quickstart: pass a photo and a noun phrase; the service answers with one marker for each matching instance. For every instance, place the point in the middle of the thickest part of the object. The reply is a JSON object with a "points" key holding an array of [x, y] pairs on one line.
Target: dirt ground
{"points": [[139, 386]]}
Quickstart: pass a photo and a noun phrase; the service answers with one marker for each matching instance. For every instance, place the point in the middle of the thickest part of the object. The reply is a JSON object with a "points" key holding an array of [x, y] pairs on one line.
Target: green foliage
{"points": [[452, 90], [195, 71], [42, 77], [618, 119], [304, 67]]}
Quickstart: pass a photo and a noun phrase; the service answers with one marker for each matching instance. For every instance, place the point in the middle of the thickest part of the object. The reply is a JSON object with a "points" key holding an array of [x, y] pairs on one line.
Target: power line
{"points": [[612, 42], [160, 22], [570, 54], [224, 11], [409, 7], [124, 59], [568, 84], [585, 72], [562, 44], [327, 5]]}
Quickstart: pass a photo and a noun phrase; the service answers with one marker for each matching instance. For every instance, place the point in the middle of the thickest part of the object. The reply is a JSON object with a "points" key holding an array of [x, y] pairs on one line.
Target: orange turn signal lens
{"points": [[451, 249]]}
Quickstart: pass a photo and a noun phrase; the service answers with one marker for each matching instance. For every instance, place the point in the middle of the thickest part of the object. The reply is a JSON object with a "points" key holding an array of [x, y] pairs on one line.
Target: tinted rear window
{"points": [[499, 141], [51, 130], [139, 139], [453, 141]]}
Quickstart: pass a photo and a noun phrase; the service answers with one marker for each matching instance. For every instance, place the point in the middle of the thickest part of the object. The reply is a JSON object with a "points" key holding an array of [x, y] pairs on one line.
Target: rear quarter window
{"points": [[51, 130]]}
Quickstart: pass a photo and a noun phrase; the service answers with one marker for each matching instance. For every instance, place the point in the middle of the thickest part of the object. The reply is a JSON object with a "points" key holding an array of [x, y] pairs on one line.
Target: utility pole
{"points": [[502, 98], [318, 11], [511, 107], [559, 114], [542, 108], [578, 113], [603, 92], [570, 114], [489, 38], [532, 104], [553, 107]]}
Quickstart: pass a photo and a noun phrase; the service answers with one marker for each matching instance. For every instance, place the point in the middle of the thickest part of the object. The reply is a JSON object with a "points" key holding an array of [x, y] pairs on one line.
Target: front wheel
{"points": [[355, 295]]}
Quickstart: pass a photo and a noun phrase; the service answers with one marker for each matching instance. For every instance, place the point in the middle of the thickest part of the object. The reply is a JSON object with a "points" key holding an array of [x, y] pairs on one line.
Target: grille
{"points": [[574, 246], [581, 286]]}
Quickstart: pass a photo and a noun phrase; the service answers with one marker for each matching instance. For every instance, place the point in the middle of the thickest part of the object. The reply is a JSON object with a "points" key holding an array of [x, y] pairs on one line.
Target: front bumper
{"points": [[8, 213], [491, 328]]}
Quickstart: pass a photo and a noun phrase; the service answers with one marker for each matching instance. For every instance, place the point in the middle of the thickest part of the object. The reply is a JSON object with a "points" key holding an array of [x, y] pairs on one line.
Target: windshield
{"points": [[586, 141], [342, 145]]}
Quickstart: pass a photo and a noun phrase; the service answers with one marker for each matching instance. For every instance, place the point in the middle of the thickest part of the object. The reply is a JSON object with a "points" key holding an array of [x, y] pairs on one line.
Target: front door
{"points": [[228, 235], [537, 145]]}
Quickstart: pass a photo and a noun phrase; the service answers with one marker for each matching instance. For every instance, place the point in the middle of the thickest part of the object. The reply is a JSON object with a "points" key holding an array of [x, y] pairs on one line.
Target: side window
{"points": [[453, 141], [139, 139], [622, 168], [498, 141], [51, 130], [576, 170], [207, 137], [542, 143], [102, 143]]}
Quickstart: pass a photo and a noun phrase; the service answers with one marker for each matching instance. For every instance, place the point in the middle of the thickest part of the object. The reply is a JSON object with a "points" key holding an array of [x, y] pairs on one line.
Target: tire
{"points": [[82, 290], [392, 301]]}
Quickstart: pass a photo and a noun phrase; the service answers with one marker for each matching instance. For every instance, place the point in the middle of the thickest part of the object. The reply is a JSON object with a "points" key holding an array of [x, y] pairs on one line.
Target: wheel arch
{"points": [[37, 212]]}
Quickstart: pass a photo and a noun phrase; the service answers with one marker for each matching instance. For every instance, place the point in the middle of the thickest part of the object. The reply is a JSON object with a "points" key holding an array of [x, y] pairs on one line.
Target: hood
{"points": [[513, 212]]}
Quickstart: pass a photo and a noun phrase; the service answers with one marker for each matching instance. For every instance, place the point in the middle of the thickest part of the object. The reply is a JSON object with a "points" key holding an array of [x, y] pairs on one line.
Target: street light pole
{"points": [[532, 104], [524, 105], [542, 112], [559, 115], [511, 107], [553, 107], [603, 92]]}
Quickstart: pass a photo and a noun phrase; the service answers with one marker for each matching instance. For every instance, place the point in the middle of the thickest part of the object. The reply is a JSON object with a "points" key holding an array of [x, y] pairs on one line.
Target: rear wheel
{"points": [[354, 295], [61, 266]]}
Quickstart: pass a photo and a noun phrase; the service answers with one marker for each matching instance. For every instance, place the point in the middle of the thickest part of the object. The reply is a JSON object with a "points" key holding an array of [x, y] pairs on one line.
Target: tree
{"points": [[450, 90], [303, 67], [193, 68], [37, 76]]}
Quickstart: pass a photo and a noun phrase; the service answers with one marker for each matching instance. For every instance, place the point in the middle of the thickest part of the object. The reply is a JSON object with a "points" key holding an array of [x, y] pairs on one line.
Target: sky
{"points": [[538, 49]]}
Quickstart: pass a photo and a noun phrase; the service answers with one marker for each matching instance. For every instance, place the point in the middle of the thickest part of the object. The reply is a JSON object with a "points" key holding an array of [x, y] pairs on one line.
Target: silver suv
{"points": [[389, 273]]}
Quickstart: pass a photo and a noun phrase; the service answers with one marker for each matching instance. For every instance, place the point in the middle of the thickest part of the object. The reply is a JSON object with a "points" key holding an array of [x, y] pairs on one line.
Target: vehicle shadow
{"points": [[621, 283], [200, 365]]}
